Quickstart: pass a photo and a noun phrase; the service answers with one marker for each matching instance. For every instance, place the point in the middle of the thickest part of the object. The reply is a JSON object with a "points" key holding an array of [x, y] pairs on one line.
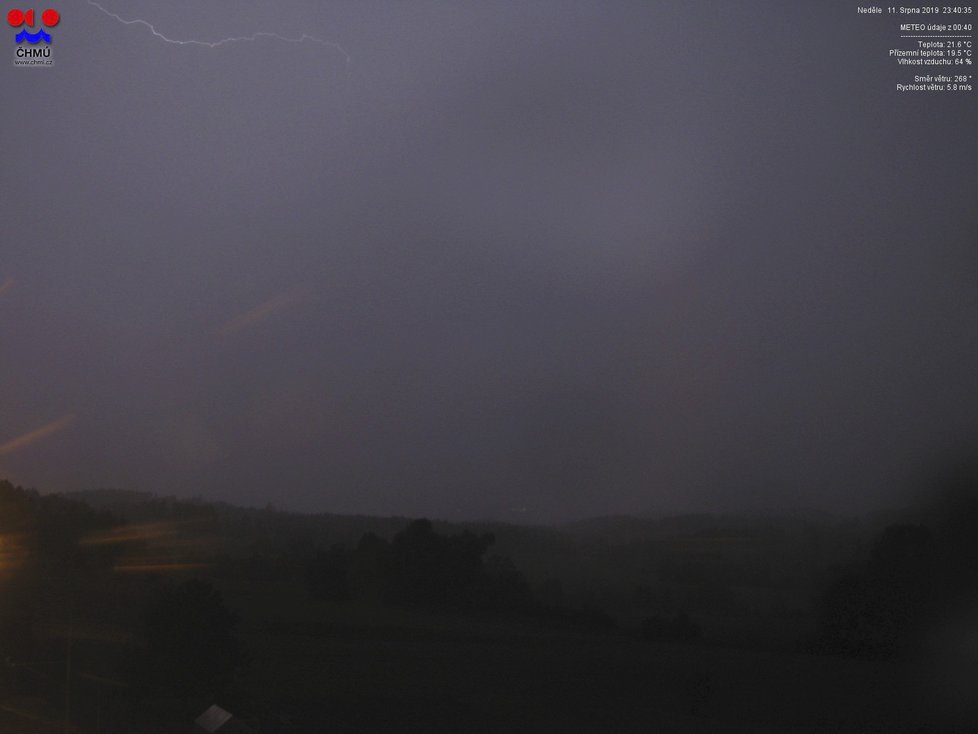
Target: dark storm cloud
{"points": [[568, 258]]}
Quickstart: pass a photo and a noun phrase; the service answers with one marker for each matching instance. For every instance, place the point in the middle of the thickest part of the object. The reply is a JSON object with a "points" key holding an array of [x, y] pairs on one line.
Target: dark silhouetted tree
{"points": [[503, 587], [371, 568], [328, 575], [881, 611], [434, 569]]}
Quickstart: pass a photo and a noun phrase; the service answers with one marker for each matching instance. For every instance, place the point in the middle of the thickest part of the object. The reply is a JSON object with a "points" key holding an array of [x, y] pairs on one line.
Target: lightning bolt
{"points": [[214, 44]]}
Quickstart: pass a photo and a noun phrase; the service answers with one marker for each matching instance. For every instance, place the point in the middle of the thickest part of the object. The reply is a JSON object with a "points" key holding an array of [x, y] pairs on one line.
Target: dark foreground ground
{"points": [[327, 669], [411, 674]]}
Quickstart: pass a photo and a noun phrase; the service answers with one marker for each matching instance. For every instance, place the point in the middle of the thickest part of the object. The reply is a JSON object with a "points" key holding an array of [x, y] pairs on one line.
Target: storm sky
{"points": [[516, 260]]}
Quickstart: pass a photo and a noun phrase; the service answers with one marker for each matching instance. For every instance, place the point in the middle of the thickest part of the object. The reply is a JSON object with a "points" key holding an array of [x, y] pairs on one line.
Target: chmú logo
{"points": [[28, 42]]}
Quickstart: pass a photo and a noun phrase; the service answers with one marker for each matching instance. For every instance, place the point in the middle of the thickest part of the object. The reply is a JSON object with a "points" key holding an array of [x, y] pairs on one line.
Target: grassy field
{"points": [[350, 669]]}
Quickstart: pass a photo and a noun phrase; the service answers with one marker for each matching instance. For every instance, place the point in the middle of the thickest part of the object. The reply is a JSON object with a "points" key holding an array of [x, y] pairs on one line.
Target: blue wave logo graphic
{"points": [[41, 35]]}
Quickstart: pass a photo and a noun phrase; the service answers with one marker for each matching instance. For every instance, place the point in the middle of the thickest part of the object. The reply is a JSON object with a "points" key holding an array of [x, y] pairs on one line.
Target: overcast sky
{"points": [[520, 260]]}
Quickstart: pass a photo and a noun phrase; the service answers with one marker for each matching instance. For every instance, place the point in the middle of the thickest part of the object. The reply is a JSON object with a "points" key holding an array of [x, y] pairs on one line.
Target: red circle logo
{"points": [[17, 17]]}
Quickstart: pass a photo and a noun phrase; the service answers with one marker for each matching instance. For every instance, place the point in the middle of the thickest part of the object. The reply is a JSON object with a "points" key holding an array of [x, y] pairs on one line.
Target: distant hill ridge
{"points": [[620, 549]]}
